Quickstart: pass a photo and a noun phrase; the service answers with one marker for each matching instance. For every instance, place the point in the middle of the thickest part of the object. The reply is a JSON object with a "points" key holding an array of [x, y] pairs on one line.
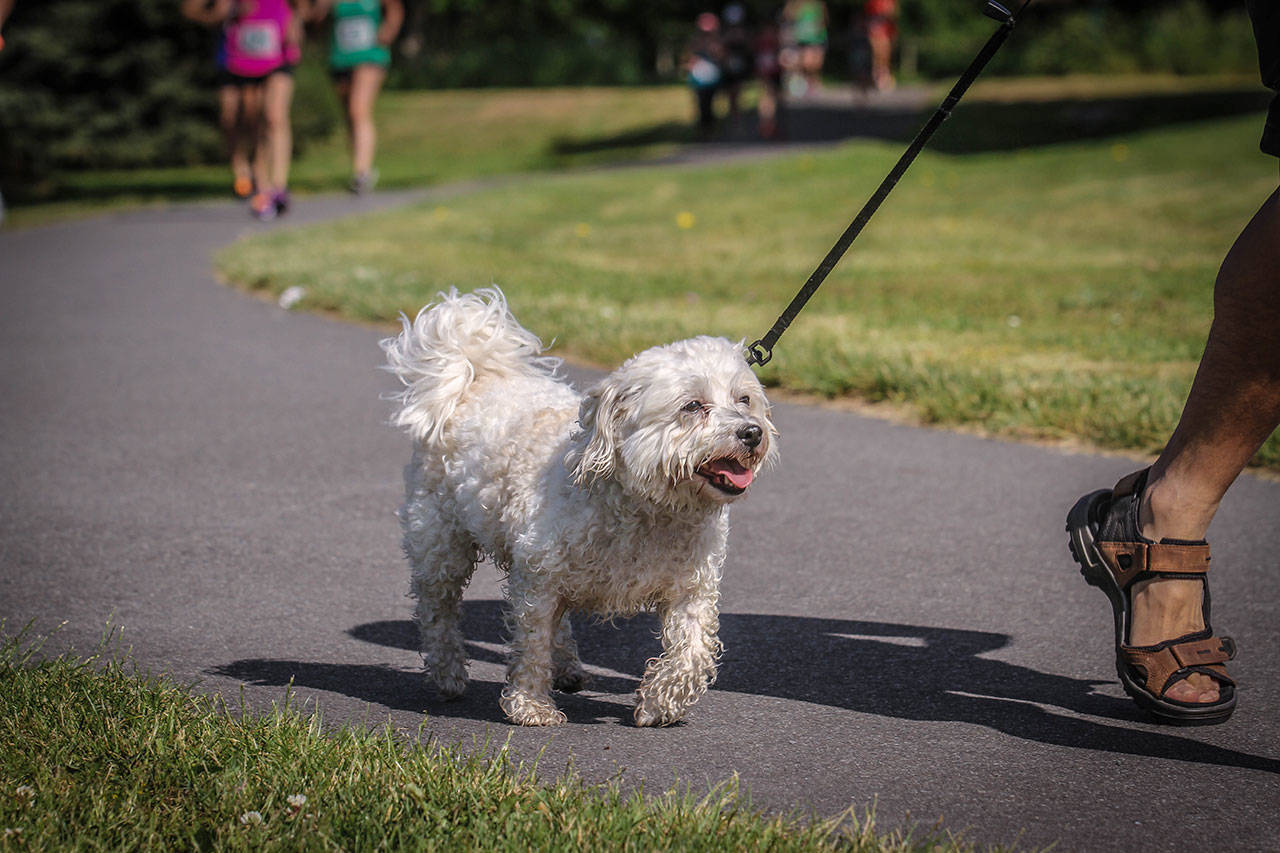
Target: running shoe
{"points": [[263, 207], [364, 182]]}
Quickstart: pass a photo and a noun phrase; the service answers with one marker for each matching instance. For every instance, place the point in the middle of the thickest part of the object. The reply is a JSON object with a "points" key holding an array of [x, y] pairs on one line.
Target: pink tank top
{"points": [[257, 41]]}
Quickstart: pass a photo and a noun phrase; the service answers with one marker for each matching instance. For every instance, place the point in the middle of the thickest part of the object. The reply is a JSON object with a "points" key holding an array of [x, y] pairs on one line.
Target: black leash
{"points": [[762, 350]]}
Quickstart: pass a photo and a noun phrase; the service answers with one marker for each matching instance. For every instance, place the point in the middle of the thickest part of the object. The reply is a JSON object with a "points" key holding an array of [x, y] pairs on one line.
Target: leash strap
{"points": [[761, 351]]}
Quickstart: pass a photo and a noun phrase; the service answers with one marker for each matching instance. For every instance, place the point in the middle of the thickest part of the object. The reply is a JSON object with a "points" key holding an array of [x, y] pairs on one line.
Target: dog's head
{"points": [[685, 425]]}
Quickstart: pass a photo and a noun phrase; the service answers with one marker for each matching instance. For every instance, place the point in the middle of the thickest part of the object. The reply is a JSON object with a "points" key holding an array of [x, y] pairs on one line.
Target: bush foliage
{"points": [[103, 83], [1183, 38]]}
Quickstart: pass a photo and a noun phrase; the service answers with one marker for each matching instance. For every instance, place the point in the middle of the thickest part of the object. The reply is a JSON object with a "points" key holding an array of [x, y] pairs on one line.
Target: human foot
{"points": [[1166, 654], [1165, 609]]}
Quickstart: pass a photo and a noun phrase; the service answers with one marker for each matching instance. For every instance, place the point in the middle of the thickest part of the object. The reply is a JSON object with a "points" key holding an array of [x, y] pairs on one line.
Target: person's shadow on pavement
{"points": [[903, 671]]}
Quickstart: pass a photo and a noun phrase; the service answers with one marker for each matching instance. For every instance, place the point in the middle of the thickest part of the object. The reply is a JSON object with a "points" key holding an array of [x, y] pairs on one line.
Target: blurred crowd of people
{"points": [[785, 52], [259, 45]]}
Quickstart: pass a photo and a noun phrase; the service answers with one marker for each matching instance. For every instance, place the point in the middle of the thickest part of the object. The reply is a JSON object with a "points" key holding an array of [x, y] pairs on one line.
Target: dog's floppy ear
{"points": [[595, 446]]}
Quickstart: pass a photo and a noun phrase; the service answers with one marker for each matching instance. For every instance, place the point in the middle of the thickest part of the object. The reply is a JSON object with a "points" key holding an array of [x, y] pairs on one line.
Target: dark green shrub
{"points": [[102, 83], [1191, 37], [1186, 39], [1092, 42], [316, 112]]}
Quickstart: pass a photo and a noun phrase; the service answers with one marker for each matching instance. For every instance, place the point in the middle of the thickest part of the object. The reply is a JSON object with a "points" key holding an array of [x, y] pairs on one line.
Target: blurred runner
{"points": [[231, 118], [359, 55], [882, 33], [768, 60], [808, 23], [264, 44], [702, 62], [738, 56]]}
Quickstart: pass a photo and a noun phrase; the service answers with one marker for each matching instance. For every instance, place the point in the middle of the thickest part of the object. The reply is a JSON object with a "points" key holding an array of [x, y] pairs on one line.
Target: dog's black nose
{"points": [[750, 435]]}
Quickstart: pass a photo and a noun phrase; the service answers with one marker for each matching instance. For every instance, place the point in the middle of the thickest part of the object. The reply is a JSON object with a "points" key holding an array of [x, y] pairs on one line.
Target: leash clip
{"points": [[759, 354]]}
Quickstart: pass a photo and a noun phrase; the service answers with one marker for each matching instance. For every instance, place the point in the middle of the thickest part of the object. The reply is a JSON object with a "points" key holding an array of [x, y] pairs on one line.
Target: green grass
{"points": [[432, 137], [424, 138], [94, 756], [1055, 293]]}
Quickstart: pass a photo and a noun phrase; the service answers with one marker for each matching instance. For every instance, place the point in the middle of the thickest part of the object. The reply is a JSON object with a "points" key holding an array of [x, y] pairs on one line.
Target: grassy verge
{"points": [[95, 757], [424, 138], [431, 137], [1055, 293]]}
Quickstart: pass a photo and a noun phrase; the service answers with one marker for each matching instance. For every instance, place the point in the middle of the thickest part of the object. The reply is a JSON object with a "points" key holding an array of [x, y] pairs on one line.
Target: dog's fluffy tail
{"points": [[451, 343]]}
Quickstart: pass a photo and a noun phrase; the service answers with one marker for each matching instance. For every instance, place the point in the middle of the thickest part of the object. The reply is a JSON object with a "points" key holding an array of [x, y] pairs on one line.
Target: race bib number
{"points": [[258, 39], [355, 34], [704, 72]]}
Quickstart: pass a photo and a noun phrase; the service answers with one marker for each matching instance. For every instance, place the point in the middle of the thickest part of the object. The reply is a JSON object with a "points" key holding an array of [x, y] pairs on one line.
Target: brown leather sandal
{"points": [[1114, 564]]}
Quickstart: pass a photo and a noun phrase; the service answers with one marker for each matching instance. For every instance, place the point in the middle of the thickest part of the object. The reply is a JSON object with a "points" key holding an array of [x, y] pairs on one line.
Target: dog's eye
{"points": [[744, 400], [692, 406]]}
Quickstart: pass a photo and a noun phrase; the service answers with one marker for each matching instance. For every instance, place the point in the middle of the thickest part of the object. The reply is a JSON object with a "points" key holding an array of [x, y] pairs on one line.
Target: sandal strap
{"points": [[1127, 560], [1128, 484], [1172, 661]]}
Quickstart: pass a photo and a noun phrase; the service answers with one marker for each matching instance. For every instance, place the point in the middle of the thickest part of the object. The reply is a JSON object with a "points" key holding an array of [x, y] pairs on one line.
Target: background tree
{"points": [[103, 83]]}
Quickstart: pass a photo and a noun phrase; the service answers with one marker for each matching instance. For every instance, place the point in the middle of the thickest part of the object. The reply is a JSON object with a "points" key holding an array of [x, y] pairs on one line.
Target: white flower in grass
{"points": [[297, 801], [25, 794], [251, 818]]}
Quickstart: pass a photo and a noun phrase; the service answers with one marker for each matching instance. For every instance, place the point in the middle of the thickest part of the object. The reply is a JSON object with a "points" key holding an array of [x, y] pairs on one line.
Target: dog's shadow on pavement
{"points": [[902, 671]]}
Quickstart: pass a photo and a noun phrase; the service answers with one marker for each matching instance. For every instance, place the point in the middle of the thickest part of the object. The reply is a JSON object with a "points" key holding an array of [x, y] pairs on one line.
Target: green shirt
{"points": [[355, 35], [808, 25]]}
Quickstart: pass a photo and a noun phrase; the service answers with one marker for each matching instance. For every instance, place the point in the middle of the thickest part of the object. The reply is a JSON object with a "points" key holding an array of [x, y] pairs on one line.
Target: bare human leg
{"points": [[881, 53], [1233, 406], [277, 101], [239, 143], [251, 98], [366, 82]]}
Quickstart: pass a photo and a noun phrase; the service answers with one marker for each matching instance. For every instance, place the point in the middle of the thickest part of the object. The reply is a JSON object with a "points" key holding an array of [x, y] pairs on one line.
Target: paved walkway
{"points": [[214, 476]]}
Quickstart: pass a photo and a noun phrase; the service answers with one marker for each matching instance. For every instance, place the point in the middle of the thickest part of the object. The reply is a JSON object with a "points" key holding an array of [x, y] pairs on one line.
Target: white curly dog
{"points": [[613, 502]]}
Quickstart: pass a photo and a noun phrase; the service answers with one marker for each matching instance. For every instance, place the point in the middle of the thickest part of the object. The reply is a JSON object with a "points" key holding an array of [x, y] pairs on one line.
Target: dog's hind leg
{"points": [[439, 578], [441, 561], [533, 617], [569, 676]]}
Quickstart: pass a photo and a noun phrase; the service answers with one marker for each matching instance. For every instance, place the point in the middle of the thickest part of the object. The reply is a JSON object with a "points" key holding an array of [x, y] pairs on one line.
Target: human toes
{"points": [[1195, 688]]}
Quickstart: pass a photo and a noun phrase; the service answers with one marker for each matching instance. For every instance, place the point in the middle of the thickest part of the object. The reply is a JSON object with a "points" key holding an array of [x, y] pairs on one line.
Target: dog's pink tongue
{"points": [[735, 473]]}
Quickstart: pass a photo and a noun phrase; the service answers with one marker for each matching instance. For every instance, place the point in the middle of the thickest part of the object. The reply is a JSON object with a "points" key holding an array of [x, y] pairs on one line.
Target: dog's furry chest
{"points": [[630, 564]]}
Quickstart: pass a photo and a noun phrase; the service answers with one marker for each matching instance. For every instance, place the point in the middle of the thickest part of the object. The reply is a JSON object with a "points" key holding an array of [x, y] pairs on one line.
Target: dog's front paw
{"points": [[650, 713], [524, 709]]}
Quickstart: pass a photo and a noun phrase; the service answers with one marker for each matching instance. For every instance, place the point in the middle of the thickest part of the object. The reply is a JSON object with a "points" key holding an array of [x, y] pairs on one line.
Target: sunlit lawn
{"points": [[424, 138], [430, 137]]}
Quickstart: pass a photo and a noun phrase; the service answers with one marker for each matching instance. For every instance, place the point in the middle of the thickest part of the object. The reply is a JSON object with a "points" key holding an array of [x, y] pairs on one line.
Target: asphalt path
{"points": [[215, 477]]}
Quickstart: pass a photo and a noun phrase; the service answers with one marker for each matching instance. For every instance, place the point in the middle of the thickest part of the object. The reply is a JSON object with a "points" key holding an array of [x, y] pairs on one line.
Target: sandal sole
{"points": [[1082, 544]]}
